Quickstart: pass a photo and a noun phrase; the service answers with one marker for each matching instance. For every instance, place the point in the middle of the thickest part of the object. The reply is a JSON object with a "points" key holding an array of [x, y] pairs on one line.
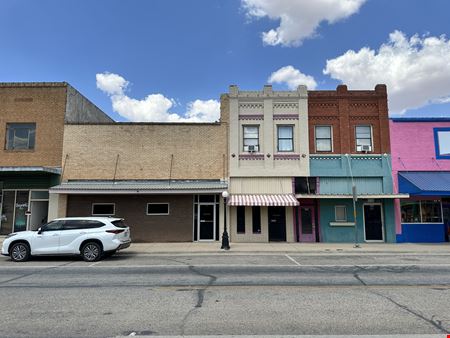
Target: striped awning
{"points": [[285, 200]]}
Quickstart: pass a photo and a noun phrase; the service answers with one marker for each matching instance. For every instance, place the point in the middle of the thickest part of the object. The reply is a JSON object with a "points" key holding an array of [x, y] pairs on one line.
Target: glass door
{"points": [[7, 212], [21, 206], [206, 222], [307, 224]]}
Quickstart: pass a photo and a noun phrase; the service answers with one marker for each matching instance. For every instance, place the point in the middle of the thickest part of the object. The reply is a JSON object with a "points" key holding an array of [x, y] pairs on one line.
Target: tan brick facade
{"points": [[344, 109], [145, 151], [44, 105]]}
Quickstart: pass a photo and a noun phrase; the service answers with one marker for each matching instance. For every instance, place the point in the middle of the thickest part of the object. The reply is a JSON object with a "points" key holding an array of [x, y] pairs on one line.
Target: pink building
{"points": [[420, 150]]}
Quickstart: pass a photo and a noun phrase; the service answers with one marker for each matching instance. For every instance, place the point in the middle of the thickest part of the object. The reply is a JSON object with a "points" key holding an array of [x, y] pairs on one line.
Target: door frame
{"points": [[382, 223], [213, 204], [285, 224], [313, 219]]}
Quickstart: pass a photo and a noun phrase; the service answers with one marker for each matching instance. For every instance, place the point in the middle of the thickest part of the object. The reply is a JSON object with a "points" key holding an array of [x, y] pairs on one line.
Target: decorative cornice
{"points": [[286, 156], [251, 105], [286, 105], [251, 117], [325, 118], [251, 157], [363, 104], [369, 117], [324, 104], [285, 117]]}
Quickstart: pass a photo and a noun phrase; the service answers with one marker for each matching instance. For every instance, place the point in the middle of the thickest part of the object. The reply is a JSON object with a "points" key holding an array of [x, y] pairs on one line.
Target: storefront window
{"points": [[427, 211], [431, 212], [411, 212]]}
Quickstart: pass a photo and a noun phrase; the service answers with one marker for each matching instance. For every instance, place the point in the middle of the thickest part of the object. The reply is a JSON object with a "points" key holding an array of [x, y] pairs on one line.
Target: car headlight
{"points": [[12, 234]]}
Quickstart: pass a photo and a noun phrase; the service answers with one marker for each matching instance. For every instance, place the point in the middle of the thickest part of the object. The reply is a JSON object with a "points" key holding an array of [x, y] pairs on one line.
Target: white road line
{"points": [[94, 264], [292, 259]]}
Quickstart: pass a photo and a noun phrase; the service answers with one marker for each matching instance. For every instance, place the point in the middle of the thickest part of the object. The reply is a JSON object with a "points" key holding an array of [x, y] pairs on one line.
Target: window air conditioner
{"points": [[366, 148], [251, 149]]}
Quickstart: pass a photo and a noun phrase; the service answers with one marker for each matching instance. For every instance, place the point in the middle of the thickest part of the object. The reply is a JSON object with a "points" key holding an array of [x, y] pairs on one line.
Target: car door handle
{"points": [[54, 235], [83, 233]]}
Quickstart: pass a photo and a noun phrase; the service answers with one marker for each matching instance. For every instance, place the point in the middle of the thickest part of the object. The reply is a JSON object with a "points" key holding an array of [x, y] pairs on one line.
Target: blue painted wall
{"points": [[422, 233], [341, 234], [372, 173]]}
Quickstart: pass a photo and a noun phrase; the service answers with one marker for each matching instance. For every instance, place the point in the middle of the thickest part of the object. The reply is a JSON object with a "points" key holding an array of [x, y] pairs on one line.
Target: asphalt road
{"points": [[268, 294]]}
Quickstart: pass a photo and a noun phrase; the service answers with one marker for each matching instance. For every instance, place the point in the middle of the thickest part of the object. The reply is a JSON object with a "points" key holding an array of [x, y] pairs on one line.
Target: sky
{"points": [[170, 60]]}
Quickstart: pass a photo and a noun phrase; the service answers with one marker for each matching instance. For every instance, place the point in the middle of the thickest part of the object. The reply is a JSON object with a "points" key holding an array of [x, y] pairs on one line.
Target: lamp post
{"points": [[225, 238]]}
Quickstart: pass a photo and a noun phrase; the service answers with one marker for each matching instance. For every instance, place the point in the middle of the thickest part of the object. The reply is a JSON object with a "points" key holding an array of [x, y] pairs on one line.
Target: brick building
{"points": [[349, 146], [32, 120], [165, 179]]}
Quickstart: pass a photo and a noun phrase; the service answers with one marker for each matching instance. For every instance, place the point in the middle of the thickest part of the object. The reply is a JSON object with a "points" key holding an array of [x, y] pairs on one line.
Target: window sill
{"points": [[19, 150], [342, 224]]}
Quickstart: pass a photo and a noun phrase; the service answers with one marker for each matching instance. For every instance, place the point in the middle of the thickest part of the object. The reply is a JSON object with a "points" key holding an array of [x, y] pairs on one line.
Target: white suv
{"points": [[90, 237]]}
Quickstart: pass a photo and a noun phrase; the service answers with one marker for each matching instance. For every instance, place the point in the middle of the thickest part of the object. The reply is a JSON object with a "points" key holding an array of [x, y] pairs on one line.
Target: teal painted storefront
{"points": [[336, 174], [346, 234], [24, 198]]}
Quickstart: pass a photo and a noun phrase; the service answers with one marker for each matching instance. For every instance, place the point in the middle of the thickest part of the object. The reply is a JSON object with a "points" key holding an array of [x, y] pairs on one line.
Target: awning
{"points": [[285, 200], [347, 196], [425, 183], [51, 170], [141, 187]]}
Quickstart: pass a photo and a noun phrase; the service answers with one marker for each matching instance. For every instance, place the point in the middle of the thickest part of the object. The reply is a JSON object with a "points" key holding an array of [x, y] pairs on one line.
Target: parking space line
{"points": [[95, 263], [292, 259]]}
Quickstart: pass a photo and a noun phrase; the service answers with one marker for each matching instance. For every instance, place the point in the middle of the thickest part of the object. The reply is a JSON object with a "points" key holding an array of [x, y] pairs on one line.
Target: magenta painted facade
{"points": [[413, 149]]}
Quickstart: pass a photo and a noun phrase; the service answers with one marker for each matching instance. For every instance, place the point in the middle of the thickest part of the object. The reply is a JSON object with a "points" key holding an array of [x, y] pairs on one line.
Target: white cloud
{"points": [[415, 70], [292, 77], [299, 19], [154, 107], [111, 84]]}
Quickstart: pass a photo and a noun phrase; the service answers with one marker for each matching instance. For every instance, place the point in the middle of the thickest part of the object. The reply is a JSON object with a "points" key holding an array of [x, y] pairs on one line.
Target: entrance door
{"points": [[373, 222], [446, 212], [277, 224], [206, 222], [39, 211], [307, 224]]}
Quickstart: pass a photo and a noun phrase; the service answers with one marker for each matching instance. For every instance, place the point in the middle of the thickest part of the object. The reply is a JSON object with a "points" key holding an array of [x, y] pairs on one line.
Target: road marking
{"points": [[94, 264], [292, 259]]}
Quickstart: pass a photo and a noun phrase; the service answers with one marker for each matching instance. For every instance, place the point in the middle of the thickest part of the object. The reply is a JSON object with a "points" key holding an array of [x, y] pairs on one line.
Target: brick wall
{"points": [[344, 109], [43, 104], [145, 151]]}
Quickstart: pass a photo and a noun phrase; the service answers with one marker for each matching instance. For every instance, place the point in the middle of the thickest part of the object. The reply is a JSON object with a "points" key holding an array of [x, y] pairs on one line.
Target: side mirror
{"points": [[39, 231]]}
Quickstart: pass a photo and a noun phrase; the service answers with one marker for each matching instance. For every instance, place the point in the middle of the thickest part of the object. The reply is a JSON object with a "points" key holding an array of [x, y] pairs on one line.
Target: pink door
{"points": [[307, 221]]}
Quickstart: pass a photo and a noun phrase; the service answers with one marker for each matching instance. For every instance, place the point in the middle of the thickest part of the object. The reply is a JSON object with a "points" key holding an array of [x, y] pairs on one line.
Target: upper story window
{"points": [[364, 138], [251, 138], [442, 142], [20, 136], [285, 138], [323, 138]]}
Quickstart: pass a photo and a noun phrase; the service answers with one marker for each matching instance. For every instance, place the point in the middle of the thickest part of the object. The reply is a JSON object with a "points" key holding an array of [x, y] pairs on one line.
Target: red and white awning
{"points": [[285, 200]]}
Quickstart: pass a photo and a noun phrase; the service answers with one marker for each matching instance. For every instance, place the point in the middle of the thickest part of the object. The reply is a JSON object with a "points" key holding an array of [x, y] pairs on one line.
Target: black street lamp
{"points": [[225, 238]]}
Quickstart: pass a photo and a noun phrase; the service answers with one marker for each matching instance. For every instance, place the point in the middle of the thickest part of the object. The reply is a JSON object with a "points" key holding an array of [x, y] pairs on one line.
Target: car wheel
{"points": [[19, 252], [91, 252]]}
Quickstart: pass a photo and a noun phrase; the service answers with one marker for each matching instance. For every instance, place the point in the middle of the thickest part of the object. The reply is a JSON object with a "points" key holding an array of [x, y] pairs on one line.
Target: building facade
{"points": [[32, 120], [165, 179], [421, 168], [350, 147], [268, 147]]}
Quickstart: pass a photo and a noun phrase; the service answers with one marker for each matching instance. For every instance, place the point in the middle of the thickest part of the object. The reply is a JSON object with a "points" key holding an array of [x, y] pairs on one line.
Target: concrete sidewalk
{"points": [[274, 247], [324, 248]]}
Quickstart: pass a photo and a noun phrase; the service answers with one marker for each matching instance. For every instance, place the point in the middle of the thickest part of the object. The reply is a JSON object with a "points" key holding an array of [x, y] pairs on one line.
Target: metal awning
{"points": [[141, 187], [425, 183], [343, 196], [286, 200], [51, 170]]}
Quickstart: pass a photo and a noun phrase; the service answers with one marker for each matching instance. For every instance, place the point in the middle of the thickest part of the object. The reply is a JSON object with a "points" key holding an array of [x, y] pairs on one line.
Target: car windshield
{"points": [[119, 224]]}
